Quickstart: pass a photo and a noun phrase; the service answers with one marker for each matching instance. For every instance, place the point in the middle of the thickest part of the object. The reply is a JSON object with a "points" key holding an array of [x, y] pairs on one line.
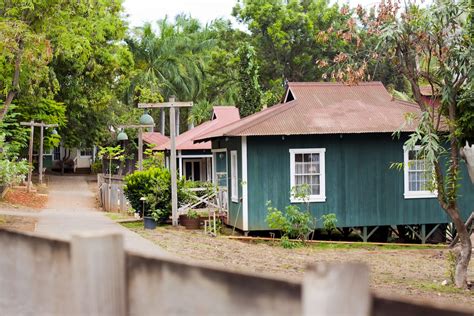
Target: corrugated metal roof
{"points": [[155, 138], [222, 116], [326, 108]]}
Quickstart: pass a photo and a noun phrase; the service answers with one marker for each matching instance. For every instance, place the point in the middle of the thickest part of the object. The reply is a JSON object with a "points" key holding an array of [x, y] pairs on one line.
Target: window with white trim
{"points": [[234, 171], [418, 175], [307, 167], [86, 152]]}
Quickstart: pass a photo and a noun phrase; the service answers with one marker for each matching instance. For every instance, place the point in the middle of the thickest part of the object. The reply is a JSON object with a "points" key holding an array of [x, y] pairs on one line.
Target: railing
{"points": [[93, 275], [214, 199]]}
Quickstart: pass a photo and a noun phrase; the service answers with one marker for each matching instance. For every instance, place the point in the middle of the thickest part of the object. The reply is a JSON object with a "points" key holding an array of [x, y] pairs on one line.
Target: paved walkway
{"points": [[71, 209]]}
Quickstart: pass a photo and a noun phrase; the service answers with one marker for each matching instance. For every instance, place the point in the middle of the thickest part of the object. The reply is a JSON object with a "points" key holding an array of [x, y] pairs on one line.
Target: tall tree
{"points": [[249, 99], [59, 53], [433, 46]]}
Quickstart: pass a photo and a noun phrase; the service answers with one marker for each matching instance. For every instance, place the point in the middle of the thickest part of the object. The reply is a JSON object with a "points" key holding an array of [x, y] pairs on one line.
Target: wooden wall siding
{"points": [[235, 209], [360, 187]]}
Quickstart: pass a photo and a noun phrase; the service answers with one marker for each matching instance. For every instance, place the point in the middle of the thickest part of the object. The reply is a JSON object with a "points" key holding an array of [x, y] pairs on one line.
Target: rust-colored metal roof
{"points": [[221, 116], [326, 108], [155, 138]]}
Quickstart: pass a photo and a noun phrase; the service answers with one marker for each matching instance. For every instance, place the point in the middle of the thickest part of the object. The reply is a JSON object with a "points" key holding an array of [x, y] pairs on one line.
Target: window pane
{"points": [[298, 180], [298, 158], [315, 189], [299, 168], [307, 157]]}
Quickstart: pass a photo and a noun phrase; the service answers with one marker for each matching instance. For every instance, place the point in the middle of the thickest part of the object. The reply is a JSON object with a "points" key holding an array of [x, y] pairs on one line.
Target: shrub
{"points": [[329, 222], [293, 223], [155, 185], [153, 159], [12, 170]]}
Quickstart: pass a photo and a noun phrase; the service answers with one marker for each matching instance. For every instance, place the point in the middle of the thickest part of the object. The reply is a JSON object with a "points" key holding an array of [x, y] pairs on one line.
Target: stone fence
{"points": [[93, 275]]}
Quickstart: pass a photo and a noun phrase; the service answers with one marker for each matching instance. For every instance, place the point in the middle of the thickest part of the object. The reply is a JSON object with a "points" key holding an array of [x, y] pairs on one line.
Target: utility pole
{"points": [[32, 125], [172, 105]]}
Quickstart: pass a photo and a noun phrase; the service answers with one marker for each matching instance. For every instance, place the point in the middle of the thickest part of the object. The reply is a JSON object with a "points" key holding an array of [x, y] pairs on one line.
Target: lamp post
{"points": [[147, 122], [172, 105], [32, 125]]}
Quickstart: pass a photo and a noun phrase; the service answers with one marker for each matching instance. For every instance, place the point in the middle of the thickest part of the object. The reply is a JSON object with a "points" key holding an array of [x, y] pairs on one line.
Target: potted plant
{"points": [[190, 220], [152, 219]]}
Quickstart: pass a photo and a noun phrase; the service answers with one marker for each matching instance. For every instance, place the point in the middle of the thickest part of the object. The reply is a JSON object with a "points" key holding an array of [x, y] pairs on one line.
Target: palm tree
{"points": [[172, 59]]}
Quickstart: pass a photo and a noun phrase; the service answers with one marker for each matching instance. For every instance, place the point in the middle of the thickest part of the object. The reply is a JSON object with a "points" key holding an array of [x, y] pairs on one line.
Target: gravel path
{"points": [[71, 208]]}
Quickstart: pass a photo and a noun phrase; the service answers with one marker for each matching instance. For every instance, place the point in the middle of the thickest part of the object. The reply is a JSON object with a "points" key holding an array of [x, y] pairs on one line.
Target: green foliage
{"points": [[250, 93], [96, 166], [155, 185], [110, 152], [12, 170], [154, 159], [329, 222], [200, 112], [192, 214], [286, 243], [73, 64], [293, 223]]}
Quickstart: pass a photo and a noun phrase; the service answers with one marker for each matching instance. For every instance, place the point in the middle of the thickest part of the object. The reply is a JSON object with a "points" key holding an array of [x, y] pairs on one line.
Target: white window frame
{"points": [[85, 149], [321, 197], [234, 176], [426, 194]]}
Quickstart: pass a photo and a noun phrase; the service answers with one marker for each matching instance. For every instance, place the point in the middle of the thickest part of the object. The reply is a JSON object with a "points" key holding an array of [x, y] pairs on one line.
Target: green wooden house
{"points": [[338, 140]]}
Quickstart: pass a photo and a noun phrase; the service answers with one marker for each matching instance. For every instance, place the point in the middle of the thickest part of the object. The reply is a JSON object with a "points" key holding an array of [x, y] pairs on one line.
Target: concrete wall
{"points": [[93, 275], [35, 275], [158, 287]]}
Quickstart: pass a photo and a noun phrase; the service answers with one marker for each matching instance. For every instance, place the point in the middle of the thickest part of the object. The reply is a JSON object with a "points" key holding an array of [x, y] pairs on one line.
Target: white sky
{"points": [[140, 11]]}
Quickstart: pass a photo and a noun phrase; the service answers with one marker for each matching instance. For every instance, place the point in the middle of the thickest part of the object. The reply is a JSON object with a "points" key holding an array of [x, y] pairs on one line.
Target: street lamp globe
{"points": [[122, 136], [146, 119]]}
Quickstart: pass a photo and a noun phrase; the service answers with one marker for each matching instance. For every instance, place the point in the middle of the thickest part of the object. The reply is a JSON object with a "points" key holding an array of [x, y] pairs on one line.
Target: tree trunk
{"points": [[15, 81], [464, 256]]}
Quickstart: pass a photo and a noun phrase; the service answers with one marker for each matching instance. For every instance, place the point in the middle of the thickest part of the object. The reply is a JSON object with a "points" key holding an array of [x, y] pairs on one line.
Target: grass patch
{"points": [[436, 287], [335, 245], [133, 225], [361, 245], [118, 216]]}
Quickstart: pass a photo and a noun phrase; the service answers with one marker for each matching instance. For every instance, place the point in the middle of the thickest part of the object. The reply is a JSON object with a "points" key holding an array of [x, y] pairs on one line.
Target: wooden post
{"points": [[172, 105], [174, 189], [336, 289], [98, 274], [41, 154], [180, 167], [140, 148], [30, 157]]}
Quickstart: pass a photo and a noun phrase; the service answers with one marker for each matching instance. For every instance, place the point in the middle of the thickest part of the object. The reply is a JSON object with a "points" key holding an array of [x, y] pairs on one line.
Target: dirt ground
{"points": [[411, 273], [33, 201], [19, 223]]}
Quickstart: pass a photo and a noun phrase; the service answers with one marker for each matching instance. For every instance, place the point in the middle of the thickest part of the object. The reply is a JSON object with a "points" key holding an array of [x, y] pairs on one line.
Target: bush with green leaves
{"points": [[12, 170], [329, 222], [293, 223], [155, 185]]}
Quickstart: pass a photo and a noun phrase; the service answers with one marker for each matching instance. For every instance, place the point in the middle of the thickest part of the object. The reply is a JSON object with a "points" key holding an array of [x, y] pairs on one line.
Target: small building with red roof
{"points": [[337, 142], [195, 160]]}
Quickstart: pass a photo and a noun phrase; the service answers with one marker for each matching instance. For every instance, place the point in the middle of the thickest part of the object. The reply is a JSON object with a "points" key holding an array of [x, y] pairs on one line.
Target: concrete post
{"points": [[336, 289], [98, 274]]}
